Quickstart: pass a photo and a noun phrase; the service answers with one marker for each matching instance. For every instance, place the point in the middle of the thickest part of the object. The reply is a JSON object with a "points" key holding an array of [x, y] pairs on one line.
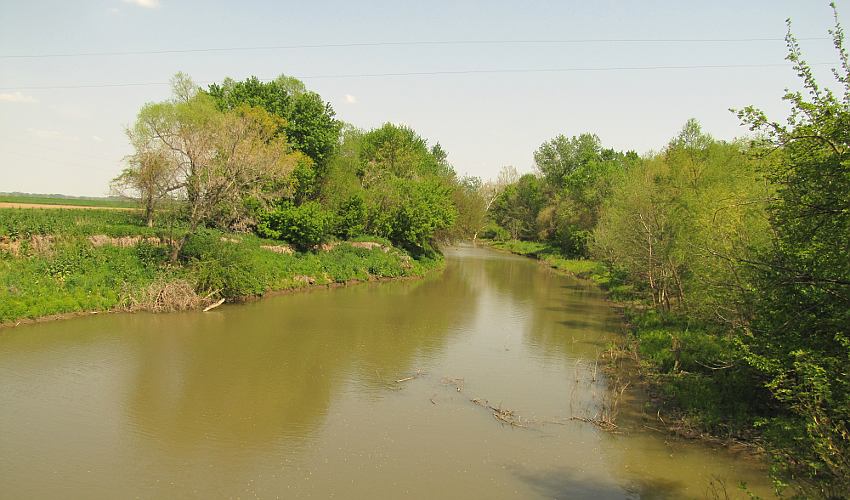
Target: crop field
{"points": [[35, 199]]}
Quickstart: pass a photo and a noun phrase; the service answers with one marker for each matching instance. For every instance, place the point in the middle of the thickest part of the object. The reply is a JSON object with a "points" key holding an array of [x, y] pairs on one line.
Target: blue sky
{"points": [[71, 140]]}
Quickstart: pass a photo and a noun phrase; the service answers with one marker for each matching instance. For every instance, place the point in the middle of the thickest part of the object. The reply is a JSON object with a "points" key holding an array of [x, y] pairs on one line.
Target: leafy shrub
{"points": [[219, 264], [495, 232], [304, 226], [351, 218]]}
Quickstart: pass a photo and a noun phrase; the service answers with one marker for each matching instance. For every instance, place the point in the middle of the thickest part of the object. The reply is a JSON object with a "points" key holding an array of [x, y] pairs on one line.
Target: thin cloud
{"points": [[350, 99], [18, 97], [147, 4], [97, 138]]}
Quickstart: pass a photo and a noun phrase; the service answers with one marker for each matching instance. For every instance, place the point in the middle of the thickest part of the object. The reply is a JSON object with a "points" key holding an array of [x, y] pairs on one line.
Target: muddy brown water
{"points": [[296, 396]]}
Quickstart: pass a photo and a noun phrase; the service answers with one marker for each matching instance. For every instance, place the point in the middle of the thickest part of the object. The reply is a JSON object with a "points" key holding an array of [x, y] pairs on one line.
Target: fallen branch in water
{"points": [[503, 415], [405, 379], [213, 306], [602, 423]]}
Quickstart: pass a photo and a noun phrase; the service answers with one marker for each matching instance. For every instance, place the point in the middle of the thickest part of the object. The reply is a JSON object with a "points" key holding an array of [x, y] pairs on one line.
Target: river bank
{"points": [[667, 354], [57, 264]]}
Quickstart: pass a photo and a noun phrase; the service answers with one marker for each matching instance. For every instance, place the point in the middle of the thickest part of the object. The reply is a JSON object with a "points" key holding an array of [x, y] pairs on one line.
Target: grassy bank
{"points": [[697, 384], [55, 262]]}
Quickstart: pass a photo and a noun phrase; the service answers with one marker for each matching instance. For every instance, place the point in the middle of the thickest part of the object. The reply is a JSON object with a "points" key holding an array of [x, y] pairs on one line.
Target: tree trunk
{"points": [[177, 247]]}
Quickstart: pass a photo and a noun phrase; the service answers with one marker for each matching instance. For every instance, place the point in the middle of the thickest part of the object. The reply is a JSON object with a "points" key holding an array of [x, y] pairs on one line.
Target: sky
{"points": [[483, 111]]}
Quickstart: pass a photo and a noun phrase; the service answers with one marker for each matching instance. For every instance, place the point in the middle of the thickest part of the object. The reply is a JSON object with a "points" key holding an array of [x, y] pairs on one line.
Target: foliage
{"points": [[305, 226], [516, 208], [410, 212], [387, 182], [215, 159], [398, 151], [307, 124], [222, 266], [678, 223], [560, 158], [800, 333], [351, 217]]}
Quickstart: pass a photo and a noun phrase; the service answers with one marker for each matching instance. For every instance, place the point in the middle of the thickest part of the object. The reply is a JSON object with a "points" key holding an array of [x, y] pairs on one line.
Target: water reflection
{"points": [[249, 375]]}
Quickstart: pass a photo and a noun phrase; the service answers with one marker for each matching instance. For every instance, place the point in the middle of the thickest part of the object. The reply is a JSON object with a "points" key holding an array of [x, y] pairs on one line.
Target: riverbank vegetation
{"points": [[733, 259], [243, 188]]}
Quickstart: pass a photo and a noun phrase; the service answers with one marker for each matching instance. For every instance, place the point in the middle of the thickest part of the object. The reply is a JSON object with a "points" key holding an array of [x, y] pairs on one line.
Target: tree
{"points": [[800, 333], [148, 175], [679, 223], [216, 159], [578, 172], [399, 151], [308, 123], [558, 158], [517, 207]]}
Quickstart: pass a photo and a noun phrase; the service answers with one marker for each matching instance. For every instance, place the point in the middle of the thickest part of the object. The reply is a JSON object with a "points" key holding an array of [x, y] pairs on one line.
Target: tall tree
{"points": [[558, 158], [309, 123]]}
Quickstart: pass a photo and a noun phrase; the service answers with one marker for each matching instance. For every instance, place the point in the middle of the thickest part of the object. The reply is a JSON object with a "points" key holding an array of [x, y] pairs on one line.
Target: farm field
{"points": [[47, 201]]}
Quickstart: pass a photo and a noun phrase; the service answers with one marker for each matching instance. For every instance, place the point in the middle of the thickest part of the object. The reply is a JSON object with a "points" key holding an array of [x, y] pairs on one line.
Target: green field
{"points": [[72, 201]]}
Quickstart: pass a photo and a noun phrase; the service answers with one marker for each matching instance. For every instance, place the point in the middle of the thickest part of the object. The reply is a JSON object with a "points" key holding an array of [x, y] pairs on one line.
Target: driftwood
{"points": [[503, 415], [214, 305], [415, 375]]}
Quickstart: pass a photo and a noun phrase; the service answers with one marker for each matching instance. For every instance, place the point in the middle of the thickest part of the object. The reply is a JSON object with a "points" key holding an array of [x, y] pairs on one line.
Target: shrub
{"points": [[304, 226], [221, 265], [351, 218]]}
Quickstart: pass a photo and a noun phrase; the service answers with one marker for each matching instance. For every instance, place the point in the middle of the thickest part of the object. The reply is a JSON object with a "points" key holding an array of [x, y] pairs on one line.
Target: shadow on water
{"points": [[568, 484]]}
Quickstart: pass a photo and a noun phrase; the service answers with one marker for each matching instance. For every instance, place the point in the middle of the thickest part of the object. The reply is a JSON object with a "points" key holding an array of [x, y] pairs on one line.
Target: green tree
{"points": [[309, 123], [216, 160], [558, 158], [517, 207], [800, 333]]}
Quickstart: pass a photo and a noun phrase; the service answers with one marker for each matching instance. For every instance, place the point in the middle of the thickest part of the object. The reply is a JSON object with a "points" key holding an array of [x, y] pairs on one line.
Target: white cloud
{"points": [[97, 138], [17, 97], [148, 4], [350, 99]]}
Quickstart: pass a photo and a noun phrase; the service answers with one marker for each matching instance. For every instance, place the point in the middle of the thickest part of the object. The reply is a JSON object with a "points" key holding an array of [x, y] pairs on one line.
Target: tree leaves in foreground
{"points": [[800, 333]]}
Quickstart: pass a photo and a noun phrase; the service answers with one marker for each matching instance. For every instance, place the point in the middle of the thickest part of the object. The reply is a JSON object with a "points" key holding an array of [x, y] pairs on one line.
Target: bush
{"points": [[305, 226], [222, 265], [495, 232], [351, 218]]}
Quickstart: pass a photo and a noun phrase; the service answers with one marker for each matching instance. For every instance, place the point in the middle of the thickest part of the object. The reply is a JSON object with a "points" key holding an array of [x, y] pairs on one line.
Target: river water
{"points": [[297, 396]]}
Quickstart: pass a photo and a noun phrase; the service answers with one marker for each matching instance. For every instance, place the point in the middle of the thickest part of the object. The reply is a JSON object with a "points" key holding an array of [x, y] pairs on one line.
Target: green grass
{"points": [[73, 201], [588, 269], [72, 275]]}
